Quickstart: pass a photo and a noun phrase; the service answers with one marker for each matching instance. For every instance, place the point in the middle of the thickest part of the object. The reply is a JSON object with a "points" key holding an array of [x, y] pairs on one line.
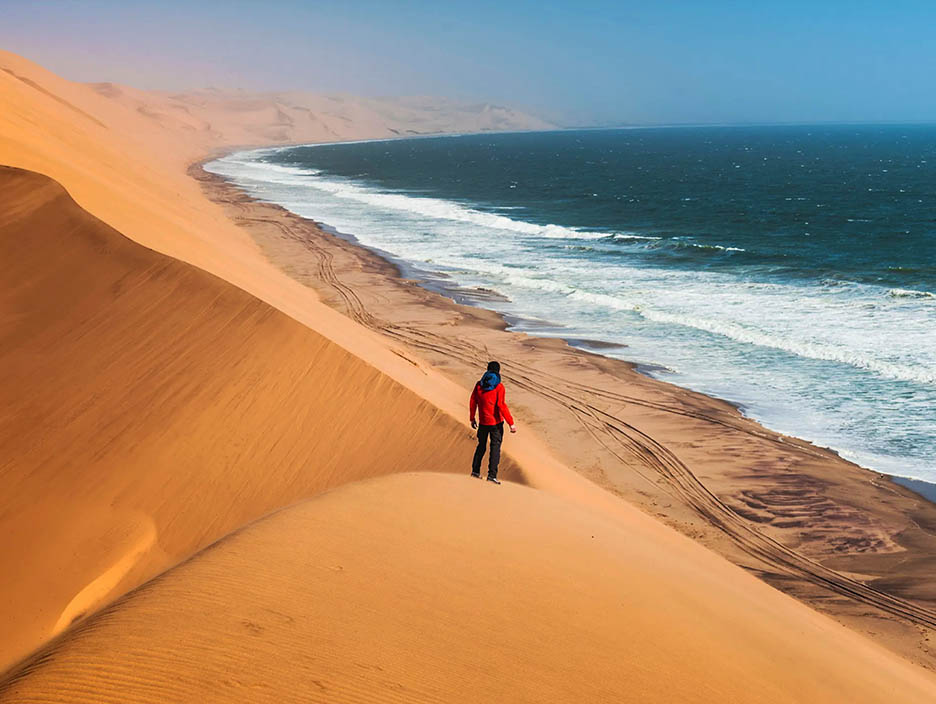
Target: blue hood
{"points": [[489, 381]]}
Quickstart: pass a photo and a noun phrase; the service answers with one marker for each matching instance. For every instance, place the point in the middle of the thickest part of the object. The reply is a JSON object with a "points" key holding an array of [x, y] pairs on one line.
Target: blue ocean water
{"points": [[791, 270]]}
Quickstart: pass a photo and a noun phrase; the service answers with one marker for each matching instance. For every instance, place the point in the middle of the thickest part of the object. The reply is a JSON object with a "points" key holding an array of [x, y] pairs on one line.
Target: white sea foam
{"points": [[799, 347], [794, 344], [718, 247], [631, 236], [435, 208], [910, 293]]}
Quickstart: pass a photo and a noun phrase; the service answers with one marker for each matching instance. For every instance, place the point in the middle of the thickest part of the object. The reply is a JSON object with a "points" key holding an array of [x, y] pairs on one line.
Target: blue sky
{"points": [[662, 61]]}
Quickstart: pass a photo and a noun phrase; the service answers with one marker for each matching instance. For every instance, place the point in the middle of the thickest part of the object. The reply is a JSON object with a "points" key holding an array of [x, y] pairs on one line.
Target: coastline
{"points": [[478, 297], [803, 519], [685, 305]]}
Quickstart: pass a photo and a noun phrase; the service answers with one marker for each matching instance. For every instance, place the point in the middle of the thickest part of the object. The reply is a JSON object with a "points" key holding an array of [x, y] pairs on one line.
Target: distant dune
{"points": [[173, 407], [245, 118]]}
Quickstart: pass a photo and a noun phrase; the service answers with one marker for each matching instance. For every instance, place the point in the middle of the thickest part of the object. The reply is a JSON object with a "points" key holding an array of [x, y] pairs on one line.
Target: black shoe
{"points": [[475, 475], [494, 479]]}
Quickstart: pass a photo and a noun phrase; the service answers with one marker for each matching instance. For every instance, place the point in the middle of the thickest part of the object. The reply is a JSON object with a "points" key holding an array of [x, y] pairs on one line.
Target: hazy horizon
{"points": [[676, 62]]}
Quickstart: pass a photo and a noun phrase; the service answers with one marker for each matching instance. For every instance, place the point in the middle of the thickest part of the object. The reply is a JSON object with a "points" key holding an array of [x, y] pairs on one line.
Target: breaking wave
{"points": [[435, 208]]}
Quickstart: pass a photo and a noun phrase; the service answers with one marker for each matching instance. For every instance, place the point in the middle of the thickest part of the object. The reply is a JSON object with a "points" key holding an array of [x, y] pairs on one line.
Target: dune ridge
{"points": [[130, 171]]}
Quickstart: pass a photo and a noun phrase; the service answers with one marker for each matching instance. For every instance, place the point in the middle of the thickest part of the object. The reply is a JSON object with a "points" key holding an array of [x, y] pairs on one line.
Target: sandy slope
{"points": [[128, 167], [156, 408], [444, 589]]}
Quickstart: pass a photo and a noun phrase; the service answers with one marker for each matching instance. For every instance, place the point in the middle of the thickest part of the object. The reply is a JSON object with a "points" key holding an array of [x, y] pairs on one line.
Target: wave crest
{"points": [[910, 293]]}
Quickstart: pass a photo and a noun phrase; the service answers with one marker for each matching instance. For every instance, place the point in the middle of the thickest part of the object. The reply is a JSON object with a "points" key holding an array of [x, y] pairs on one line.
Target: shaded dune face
{"points": [[147, 409], [439, 588]]}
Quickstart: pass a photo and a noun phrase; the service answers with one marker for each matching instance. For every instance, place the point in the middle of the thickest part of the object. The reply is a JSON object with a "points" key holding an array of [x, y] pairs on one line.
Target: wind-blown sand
{"points": [[155, 404]]}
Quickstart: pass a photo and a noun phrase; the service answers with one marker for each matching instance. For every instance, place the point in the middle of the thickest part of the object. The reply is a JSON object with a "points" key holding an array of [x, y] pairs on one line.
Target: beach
{"points": [[236, 463]]}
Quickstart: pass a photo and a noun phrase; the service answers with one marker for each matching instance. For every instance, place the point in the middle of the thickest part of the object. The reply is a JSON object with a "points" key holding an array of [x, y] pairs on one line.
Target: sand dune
{"points": [[129, 170], [445, 589], [245, 118], [157, 408]]}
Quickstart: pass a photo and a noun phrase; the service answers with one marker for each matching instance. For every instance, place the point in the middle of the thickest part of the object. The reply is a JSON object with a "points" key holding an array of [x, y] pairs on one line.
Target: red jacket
{"points": [[490, 405]]}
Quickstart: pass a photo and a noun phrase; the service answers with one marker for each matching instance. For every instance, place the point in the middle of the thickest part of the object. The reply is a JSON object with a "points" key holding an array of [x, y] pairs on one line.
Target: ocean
{"points": [[791, 270]]}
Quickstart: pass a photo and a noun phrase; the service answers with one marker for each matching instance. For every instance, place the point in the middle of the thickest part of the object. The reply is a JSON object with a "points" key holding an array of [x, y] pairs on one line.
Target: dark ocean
{"points": [[791, 270]]}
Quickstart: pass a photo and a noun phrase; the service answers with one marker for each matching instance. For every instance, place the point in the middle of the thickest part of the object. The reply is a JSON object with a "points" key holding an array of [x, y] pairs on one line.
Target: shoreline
{"points": [[477, 297], [437, 282], [791, 381], [799, 516]]}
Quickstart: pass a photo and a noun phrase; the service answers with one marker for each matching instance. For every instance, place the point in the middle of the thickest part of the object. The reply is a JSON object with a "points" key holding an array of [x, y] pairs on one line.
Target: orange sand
{"points": [[428, 588], [160, 408]]}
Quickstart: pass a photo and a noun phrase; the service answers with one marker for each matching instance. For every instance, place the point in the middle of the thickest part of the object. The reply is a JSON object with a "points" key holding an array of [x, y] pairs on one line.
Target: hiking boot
{"points": [[494, 479], [475, 475]]}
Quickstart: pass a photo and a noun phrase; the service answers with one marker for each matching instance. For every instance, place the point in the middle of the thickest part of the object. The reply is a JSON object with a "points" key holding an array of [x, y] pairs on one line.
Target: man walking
{"points": [[488, 399]]}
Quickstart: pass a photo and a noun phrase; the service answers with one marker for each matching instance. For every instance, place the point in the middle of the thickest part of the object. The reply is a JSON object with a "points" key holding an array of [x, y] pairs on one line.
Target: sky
{"points": [[577, 63]]}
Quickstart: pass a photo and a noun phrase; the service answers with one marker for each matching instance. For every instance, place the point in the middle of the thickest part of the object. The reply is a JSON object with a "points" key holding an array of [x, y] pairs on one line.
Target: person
{"points": [[488, 398]]}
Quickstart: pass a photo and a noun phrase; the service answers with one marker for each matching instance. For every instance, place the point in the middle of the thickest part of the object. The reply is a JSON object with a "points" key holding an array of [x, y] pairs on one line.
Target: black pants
{"points": [[496, 433]]}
